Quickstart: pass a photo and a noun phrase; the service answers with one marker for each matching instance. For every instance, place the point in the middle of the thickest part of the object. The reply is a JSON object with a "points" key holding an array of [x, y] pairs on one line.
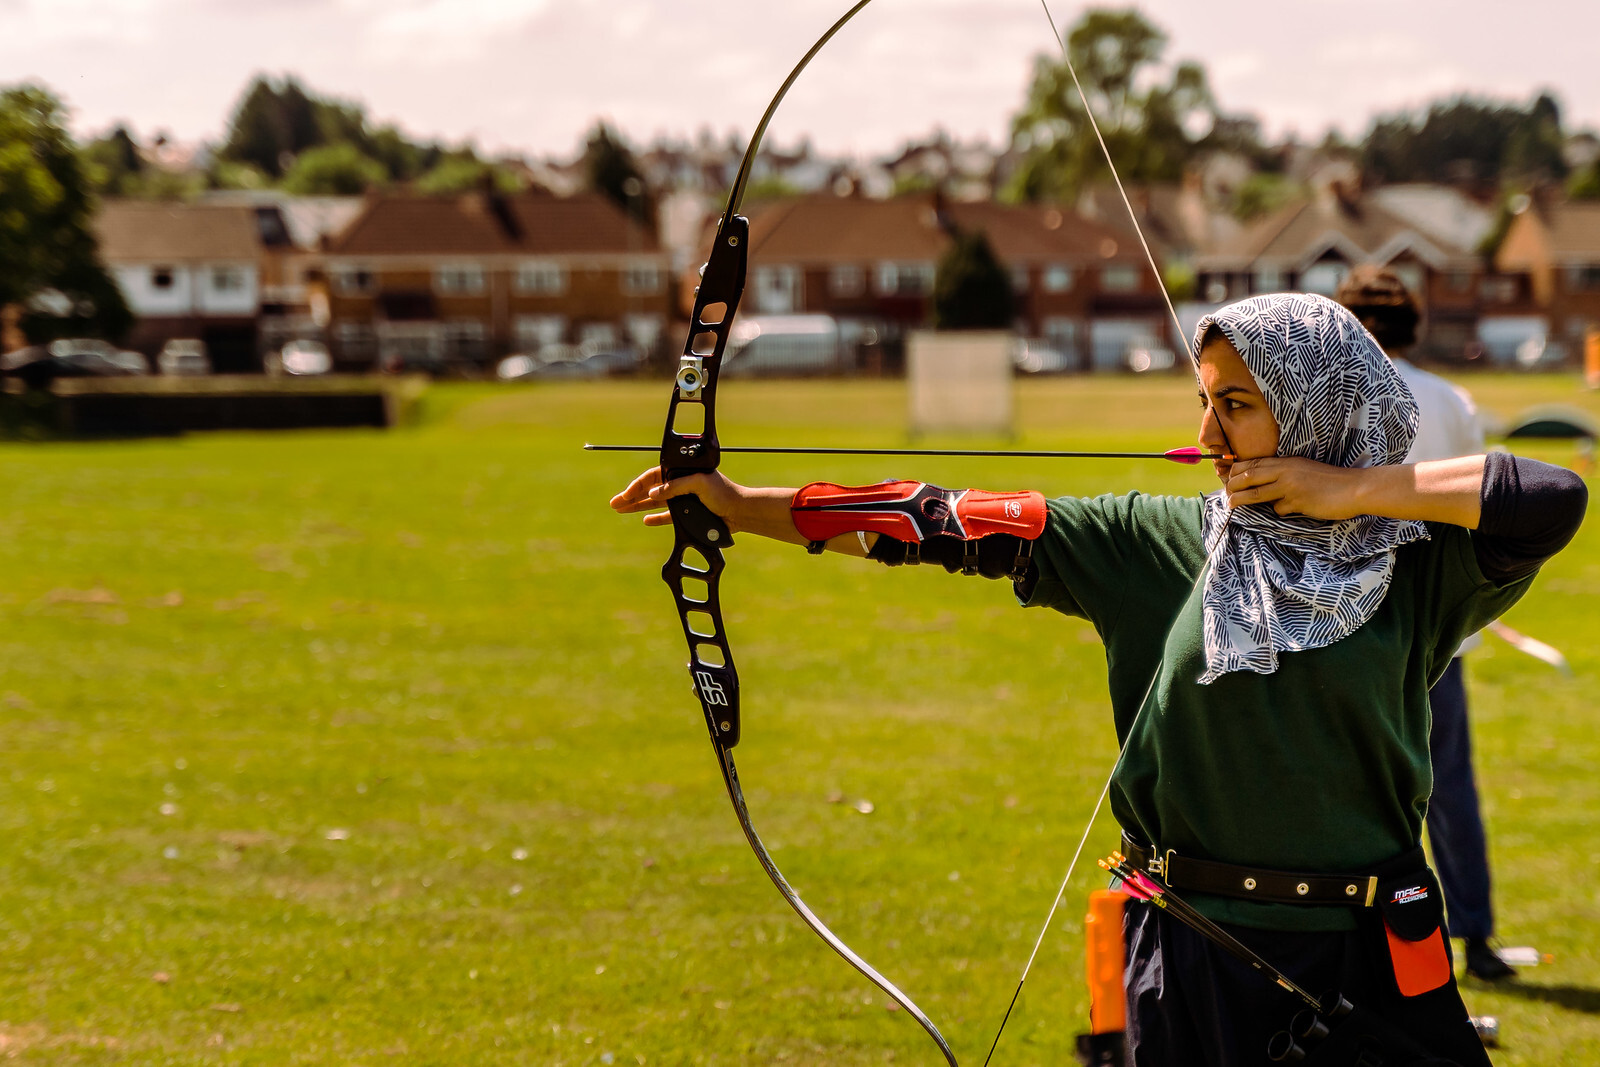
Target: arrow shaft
{"points": [[1188, 457]]}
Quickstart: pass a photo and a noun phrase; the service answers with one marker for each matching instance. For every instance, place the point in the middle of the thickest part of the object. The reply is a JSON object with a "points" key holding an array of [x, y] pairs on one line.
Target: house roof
{"points": [[1361, 229], [528, 223], [1443, 212], [828, 229], [142, 231], [1574, 228]]}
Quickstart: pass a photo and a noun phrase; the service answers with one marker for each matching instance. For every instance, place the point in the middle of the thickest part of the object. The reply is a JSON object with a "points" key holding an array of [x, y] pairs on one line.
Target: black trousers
{"points": [[1455, 823], [1192, 1005]]}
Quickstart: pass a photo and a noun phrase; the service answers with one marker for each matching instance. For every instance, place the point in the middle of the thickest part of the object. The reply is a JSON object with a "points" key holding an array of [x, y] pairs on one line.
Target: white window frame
{"points": [[535, 332], [459, 279], [1119, 278], [1057, 278], [226, 279], [354, 280], [644, 278], [847, 280], [540, 277]]}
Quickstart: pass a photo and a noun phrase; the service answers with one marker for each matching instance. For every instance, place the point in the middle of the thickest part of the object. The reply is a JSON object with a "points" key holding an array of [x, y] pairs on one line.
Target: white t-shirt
{"points": [[1448, 427]]}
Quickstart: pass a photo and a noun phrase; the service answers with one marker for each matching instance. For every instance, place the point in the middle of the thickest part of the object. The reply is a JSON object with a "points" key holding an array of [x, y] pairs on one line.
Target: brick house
{"points": [[1558, 247], [430, 281], [194, 271], [1311, 244], [870, 264]]}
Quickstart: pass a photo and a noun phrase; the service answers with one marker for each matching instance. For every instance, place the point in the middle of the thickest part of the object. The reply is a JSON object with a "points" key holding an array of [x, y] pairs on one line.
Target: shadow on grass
{"points": [[1572, 997]]}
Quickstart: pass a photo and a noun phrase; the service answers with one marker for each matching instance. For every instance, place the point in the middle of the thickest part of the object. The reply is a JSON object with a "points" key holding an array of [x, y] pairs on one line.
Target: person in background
{"points": [[1449, 428]]}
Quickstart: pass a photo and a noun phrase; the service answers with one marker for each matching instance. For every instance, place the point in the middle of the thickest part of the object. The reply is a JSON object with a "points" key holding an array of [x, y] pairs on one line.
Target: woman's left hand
{"points": [[1296, 486]]}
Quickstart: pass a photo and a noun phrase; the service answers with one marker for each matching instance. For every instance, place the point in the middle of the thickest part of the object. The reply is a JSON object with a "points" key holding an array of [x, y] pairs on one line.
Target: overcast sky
{"points": [[531, 75]]}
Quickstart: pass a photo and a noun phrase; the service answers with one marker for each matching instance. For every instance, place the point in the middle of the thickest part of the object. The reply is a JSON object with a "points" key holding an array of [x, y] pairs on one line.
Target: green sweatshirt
{"points": [[1321, 766]]}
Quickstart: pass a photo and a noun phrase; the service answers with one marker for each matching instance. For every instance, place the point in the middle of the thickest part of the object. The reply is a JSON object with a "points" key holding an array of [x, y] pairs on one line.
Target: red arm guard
{"points": [[914, 511]]}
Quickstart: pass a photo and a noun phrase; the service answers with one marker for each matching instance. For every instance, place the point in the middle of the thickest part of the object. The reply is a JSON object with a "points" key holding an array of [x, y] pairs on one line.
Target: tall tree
{"points": [[610, 169], [1151, 125], [971, 289], [46, 243]]}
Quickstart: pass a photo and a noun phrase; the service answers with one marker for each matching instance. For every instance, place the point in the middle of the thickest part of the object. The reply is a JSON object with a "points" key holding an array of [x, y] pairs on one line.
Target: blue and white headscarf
{"points": [[1290, 583]]}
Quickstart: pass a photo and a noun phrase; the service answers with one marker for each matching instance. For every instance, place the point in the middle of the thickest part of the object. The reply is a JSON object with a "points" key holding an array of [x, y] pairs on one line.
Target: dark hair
{"points": [[1378, 297], [1213, 333]]}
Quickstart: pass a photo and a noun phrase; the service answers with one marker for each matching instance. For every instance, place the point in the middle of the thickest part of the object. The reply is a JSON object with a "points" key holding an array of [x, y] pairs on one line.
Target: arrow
{"points": [[1190, 455]]}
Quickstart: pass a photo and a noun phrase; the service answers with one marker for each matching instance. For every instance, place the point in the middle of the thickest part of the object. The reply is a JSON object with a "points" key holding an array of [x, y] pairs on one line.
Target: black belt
{"points": [[1267, 886]]}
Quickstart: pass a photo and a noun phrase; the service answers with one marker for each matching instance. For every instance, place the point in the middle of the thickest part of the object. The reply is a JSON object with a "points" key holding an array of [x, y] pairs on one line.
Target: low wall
{"points": [[162, 406]]}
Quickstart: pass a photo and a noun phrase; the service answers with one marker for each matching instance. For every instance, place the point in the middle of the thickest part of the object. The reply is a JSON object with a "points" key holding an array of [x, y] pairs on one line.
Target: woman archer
{"points": [[1270, 647]]}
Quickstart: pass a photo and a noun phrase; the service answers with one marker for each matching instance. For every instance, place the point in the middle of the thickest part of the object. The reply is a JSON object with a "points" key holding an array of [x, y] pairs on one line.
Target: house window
{"points": [[777, 290], [1062, 335], [1269, 280], [535, 332], [352, 281], [905, 279], [847, 279], [356, 339], [645, 331], [643, 279], [465, 339], [460, 279], [1324, 278], [594, 337], [1019, 279], [227, 280], [1584, 276], [1119, 279], [1459, 281], [1057, 279], [537, 278], [1498, 290], [161, 277]]}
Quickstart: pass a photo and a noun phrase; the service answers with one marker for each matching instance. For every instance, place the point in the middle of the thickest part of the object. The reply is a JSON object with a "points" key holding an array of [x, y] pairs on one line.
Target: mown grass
{"points": [[377, 748]]}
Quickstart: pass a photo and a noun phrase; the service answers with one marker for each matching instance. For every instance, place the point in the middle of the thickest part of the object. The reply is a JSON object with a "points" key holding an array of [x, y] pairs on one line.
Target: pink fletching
{"points": [[1184, 455]]}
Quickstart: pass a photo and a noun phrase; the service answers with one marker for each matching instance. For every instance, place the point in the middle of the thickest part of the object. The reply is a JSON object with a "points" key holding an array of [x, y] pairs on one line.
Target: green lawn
{"points": [[365, 748]]}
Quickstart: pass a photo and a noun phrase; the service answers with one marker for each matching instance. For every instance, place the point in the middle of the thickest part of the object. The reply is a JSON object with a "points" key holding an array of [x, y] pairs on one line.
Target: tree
{"points": [[610, 169], [114, 164], [463, 172], [971, 289], [47, 246], [272, 125], [1585, 184], [1468, 140], [334, 170], [1151, 127]]}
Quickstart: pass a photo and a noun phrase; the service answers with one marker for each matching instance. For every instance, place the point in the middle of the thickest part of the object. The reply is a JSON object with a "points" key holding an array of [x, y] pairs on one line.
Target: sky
{"points": [[530, 76]]}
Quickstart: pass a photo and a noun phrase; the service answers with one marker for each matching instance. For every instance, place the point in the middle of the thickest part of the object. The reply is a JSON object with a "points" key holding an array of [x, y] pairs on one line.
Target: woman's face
{"points": [[1236, 420]]}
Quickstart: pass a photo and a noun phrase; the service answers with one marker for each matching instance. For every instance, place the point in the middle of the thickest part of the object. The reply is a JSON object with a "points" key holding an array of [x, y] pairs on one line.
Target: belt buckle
{"points": [[1160, 863]]}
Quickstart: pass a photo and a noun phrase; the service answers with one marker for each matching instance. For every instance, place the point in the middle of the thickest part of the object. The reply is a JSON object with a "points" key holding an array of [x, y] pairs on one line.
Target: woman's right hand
{"points": [[721, 496]]}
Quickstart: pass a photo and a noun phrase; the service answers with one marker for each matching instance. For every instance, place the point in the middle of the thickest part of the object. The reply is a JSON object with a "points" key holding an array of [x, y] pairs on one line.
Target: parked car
{"points": [[1039, 357], [72, 358], [184, 357], [567, 361], [300, 357]]}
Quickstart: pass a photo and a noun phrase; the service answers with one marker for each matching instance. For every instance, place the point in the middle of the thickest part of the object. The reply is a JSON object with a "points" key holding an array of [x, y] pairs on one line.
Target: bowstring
{"points": [[1183, 339]]}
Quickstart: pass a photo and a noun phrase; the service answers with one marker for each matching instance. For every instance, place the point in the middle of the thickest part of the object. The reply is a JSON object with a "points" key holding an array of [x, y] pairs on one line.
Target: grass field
{"points": [[367, 748]]}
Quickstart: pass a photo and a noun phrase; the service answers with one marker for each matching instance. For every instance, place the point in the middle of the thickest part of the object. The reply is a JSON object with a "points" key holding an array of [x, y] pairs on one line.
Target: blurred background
{"points": [[343, 721], [351, 187]]}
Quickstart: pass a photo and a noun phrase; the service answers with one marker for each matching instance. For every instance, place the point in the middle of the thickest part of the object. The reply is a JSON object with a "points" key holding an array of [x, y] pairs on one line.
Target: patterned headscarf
{"points": [[1290, 583]]}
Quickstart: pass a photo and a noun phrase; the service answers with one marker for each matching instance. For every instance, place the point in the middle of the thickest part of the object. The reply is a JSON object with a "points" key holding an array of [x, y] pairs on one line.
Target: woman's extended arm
{"points": [[763, 511]]}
